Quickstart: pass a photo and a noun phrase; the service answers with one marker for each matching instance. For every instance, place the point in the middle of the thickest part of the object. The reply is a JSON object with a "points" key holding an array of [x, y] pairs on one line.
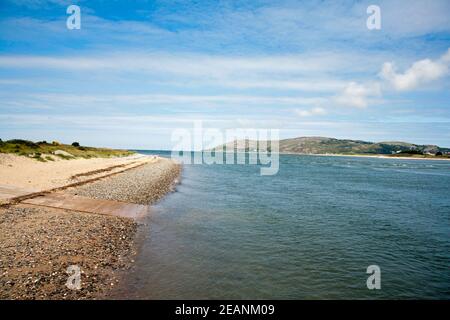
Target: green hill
{"points": [[323, 145]]}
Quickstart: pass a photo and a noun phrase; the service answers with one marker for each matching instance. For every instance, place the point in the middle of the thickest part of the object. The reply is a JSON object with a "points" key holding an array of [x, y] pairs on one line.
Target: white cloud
{"points": [[317, 111], [421, 72], [358, 95]]}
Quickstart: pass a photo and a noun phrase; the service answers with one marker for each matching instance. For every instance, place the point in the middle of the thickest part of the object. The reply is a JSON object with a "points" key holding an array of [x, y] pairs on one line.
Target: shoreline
{"points": [[364, 156], [39, 243], [379, 156]]}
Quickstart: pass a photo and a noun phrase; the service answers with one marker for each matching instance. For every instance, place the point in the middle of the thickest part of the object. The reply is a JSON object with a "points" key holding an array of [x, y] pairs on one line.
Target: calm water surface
{"points": [[307, 233]]}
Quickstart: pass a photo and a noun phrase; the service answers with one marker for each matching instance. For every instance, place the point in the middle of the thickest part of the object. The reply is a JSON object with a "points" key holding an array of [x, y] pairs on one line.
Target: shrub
{"points": [[19, 142], [411, 152], [75, 144], [56, 143]]}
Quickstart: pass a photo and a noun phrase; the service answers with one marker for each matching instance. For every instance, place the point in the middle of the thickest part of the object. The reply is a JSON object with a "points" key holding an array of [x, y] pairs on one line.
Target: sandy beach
{"points": [[38, 244], [31, 174]]}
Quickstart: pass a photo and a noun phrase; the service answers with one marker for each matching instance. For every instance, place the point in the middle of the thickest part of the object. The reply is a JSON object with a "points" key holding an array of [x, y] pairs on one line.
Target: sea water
{"points": [[309, 232]]}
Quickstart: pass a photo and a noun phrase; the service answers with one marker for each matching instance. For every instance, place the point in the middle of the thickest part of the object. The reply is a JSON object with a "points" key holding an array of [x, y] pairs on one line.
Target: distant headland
{"points": [[333, 146]]}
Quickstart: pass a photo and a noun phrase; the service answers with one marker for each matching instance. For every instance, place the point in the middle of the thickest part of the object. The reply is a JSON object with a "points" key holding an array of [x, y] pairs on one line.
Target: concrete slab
{"points": [[8, 192], [78, 203]]}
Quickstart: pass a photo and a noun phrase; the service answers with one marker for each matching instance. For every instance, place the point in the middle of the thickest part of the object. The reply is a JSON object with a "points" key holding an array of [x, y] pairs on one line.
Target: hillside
{"points": [[43, 151], [323, 145]]}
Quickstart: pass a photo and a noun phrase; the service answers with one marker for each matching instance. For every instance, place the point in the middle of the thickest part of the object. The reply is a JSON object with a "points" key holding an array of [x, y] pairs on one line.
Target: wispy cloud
{"points": [[63, 101], [317, 111], [191, 64]]}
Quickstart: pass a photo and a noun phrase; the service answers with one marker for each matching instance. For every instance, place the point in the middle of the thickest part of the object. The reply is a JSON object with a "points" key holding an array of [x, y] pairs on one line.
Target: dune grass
{"points": [[44, 151]]}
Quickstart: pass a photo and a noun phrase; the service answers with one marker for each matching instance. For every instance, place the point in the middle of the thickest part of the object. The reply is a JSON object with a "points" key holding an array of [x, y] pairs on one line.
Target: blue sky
{"points": [[136, 71]]}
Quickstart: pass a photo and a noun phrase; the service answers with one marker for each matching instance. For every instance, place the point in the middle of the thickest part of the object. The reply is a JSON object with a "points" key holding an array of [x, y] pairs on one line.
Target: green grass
{"points": [[41, 150]]}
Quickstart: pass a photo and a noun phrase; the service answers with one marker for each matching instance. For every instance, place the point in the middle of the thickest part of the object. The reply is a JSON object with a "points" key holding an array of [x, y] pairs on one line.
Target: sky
{"points": [[136, 71]]}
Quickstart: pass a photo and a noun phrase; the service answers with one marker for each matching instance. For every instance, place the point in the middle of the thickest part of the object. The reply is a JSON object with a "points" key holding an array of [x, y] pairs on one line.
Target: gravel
{"points": [[143, 185], [37, 245]]}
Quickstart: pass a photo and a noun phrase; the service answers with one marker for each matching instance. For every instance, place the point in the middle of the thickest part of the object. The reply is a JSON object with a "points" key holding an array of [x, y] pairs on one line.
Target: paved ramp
{"points": [[71, 202], [9, 192]]}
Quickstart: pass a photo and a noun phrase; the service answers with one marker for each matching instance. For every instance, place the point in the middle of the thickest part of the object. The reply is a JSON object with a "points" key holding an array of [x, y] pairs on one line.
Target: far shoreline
{"points": [[365, 156], [376, 156]]}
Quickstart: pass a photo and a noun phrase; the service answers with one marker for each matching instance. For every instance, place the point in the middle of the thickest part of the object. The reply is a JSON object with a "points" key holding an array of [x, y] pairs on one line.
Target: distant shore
{"points": [[379, 156], [39, 243], [369, 156]]}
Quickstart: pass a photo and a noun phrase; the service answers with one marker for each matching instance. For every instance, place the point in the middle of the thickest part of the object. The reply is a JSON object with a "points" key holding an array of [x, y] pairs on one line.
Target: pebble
{"points": [[143, 185], [97, 249]]}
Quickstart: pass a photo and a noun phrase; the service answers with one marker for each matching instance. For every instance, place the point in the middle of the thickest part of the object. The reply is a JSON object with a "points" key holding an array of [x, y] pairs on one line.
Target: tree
{"points": [[75, 144]]}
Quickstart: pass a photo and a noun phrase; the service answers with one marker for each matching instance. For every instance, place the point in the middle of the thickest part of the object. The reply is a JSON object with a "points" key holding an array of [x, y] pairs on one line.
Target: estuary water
{"points": [[309, 232]]}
